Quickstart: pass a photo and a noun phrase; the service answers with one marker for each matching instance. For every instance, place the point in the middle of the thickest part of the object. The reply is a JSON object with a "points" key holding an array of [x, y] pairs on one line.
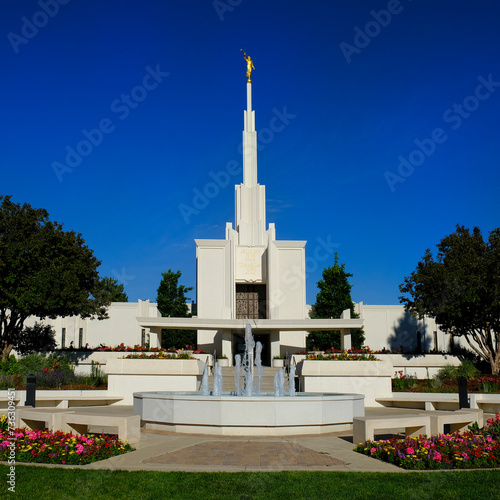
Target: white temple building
{"points": [[246, 277], [250, 277]]}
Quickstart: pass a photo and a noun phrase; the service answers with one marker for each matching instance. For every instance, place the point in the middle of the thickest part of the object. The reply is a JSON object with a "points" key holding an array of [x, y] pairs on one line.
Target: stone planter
{"points": [[278, 363], [371, 378], [223, 362], [126, 376]]}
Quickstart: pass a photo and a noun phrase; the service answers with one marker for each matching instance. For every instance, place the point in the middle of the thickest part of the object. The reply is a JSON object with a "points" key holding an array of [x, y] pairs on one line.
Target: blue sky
{"points": [[390, 114]]}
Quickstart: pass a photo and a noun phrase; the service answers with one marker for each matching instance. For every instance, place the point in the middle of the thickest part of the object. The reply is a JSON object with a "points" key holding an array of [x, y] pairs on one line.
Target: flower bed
{"points": [[160, 355], [469, 450], [59, 448], [333, 354], [487, 384], [139, 348]]}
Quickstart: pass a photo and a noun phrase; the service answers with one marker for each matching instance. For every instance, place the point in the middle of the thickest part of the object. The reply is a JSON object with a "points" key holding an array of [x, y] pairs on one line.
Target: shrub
{"points": [[31, 364], [8, 381], [36, 338], [468, 370], [448, 372], [9, 366], [488, 384], [54, 379], [436, 383], [402, 382], [97, 377]]}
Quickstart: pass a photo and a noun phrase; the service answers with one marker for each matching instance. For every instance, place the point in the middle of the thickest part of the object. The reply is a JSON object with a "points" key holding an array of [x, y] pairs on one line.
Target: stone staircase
{"points": [[228, 385]]}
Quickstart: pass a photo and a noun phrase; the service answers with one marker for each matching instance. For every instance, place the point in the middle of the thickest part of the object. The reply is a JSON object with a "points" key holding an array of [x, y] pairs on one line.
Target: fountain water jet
{"points": [[279, 383], [204, 382], [217, 391], [237, 373], [291, 380], [258, 366]]}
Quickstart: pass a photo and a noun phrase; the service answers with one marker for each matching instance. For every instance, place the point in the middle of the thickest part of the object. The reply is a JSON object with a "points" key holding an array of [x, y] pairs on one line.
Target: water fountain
{"points": [[248, 412]]}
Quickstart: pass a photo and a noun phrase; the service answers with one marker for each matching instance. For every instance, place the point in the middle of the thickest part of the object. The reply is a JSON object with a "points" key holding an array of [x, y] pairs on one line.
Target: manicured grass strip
{"points": [[49, 483]]}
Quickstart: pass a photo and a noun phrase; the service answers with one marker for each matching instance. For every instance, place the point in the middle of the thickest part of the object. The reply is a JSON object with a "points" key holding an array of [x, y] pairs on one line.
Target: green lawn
{"points": [[58, 483]]}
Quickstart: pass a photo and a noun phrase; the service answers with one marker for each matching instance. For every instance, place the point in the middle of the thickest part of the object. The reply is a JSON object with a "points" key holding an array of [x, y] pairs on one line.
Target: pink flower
{"points": [[437, 456], [373, 450], [79, 448], [410, 450]]}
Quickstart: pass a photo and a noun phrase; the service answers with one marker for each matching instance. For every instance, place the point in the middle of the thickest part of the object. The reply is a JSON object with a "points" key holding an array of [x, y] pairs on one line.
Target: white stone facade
{"points": [[120, 327]]}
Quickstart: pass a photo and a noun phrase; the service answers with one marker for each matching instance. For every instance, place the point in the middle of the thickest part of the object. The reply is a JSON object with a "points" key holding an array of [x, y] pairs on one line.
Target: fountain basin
{"points": [[265, 415]]}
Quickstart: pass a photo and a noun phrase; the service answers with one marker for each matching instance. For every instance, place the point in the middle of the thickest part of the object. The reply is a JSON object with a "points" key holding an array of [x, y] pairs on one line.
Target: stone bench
{"points": [[58, 400], [421, 401], [68, 420], [413, 423], [40, 419], [458, 420], [429, 423], [489, 403], [129, 426]]}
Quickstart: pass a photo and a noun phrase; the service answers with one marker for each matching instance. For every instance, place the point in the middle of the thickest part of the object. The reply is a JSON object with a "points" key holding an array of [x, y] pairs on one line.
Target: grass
{"points": [[60, 483]]}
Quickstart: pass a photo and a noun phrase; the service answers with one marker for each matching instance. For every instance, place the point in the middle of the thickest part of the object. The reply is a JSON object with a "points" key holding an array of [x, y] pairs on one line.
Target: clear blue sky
{"points": [[427, 73]]}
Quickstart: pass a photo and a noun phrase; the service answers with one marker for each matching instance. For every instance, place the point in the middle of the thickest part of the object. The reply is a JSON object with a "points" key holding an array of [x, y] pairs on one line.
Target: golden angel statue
{"points": [[250, 66]]}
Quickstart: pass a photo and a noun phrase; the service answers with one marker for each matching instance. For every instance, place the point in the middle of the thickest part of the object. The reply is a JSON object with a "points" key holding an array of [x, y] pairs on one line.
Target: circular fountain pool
{"points": [[304, 413]]}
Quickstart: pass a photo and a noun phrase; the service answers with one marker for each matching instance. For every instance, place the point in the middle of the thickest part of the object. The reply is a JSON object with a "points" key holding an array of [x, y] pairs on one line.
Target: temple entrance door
{"points": [[263, 338], [251, 301]]}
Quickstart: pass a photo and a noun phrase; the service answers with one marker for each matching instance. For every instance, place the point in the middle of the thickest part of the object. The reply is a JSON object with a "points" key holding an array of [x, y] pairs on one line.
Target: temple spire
{"points": [[250, 196], [249, 143]]}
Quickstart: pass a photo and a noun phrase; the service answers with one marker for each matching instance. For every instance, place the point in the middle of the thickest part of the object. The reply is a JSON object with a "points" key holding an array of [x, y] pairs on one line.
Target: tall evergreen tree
{"points": [[333, 298], [115, 291], [171, 300]]}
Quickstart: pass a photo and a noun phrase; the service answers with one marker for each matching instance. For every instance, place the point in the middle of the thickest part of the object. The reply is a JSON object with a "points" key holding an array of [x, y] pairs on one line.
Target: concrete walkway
{"points": [[169, 451]]}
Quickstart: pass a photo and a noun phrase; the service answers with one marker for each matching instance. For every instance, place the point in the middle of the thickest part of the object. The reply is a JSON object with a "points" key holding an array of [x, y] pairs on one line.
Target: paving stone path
{"points": [[247, 454]]}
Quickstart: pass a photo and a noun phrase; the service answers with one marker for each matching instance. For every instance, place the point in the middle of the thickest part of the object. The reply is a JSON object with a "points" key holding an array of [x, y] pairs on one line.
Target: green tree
{"points": [[333, 298], [44, 272], [114, 290], [460, 288], [171, 300]]}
